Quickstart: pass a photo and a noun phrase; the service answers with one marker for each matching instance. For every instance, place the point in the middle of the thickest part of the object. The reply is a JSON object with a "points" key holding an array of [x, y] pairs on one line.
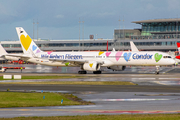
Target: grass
{"points": [[104, 117], [75, 82], [16, 99], [65, 82]]}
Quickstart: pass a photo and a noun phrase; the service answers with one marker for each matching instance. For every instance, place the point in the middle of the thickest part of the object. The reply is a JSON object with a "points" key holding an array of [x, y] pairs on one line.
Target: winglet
{"points": [[113, 50], [27, 43], [133, 47]]}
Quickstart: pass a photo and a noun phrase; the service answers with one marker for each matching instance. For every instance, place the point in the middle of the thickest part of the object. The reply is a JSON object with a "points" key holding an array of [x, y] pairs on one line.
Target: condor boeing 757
{"points": [[91, 61]]}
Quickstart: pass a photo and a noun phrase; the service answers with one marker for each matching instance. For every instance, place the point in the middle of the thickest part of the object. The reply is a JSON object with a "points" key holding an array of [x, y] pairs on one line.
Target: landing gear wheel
{"points": [[82, 72], [97, 72], [157, 72]]}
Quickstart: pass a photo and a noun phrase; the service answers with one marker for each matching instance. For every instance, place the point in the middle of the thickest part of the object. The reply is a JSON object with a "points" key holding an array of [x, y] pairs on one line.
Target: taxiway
{"points": [[151, 94]]}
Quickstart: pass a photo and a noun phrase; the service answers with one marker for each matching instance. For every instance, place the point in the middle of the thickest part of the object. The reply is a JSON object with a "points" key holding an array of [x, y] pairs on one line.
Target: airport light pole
{"points": [[96, 36], [79, 33], [123, 27], [37, 28], [119, 32], [33, 28], [83, 36]]}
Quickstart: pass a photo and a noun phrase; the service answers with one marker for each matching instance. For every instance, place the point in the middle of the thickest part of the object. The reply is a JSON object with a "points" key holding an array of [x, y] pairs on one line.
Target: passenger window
{"points": [[166, 56]]}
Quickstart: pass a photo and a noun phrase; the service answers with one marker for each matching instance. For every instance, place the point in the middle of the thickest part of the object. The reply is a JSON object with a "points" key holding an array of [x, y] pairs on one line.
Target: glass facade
{"points": [[155, 36], [172, 43], [125, 34], [149, 28], [11, 45]]}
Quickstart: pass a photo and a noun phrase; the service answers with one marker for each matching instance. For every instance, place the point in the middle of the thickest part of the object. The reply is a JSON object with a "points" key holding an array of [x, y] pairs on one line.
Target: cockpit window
{"points": [[166, 56]]}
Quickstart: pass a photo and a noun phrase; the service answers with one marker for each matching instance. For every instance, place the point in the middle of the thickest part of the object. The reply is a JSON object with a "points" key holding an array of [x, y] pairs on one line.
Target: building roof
{"points": [[157, 20], [62, 41]]}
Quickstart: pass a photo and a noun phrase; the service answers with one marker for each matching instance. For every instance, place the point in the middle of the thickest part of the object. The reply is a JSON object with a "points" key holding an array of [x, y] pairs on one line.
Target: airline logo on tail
{"points": [[27, 43], [178, 45]]}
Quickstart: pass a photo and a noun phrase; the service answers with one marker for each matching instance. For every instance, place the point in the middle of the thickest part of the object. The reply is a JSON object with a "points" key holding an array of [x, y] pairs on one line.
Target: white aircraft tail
{"points": [[27, 44], [133, 47], [3, 51]]}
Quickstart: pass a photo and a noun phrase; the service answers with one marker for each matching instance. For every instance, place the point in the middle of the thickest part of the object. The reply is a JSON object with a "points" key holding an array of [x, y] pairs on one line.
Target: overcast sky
{"points": [[58, 19]]}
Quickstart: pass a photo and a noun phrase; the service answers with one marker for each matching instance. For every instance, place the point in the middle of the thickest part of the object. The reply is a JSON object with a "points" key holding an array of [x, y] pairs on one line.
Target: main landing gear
{"points": [[157, 70], [97, 72], [82, 72]]}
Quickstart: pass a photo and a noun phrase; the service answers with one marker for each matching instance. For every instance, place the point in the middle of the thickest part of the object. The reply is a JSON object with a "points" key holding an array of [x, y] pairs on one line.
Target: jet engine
{"points": [[11, 58], [91, 66], [117, 68]]}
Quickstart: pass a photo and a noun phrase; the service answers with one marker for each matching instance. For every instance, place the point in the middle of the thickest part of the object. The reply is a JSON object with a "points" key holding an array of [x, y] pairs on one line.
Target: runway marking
{"points": [[55, 108], [139, 75], [111, 100], [142, 78], [170, 78], [126, 111], [79, 106], [167, 82]]}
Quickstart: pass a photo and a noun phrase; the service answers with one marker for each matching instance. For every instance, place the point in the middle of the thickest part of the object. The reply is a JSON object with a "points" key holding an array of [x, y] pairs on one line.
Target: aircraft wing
{"points": [[18, 55], [79, 62]]}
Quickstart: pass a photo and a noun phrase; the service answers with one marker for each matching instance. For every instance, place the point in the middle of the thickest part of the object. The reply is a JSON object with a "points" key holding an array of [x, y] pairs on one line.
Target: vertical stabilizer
{"points": [[27, 44], [3, 51], [133, 47], [178, 45]]}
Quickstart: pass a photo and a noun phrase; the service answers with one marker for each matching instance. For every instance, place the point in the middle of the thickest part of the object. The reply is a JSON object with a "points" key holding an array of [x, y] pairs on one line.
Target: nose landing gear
{"points": [[82, 72], [157, 70]]}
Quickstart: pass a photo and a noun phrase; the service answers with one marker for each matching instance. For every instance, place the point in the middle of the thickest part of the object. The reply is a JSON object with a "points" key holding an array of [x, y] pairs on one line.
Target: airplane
{"points": [[5, 56], [90, 61], [178, 45]]}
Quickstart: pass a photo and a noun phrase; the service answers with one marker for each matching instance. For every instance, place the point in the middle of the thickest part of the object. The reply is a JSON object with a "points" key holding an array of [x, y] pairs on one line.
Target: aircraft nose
{"points": [[172, 61]]}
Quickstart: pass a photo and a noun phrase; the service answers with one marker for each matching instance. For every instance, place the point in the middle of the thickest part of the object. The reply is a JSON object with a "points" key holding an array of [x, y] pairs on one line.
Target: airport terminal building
{"points": [[157, 34]]}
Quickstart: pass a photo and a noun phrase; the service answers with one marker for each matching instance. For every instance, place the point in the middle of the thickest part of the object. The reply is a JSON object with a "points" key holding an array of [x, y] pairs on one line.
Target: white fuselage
{"points": [[109, 58]]}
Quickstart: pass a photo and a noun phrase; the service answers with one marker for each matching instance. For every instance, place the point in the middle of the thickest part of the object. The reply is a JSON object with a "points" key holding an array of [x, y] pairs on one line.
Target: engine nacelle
{"points": [[11, 58], [117, 68], [91, 66]]}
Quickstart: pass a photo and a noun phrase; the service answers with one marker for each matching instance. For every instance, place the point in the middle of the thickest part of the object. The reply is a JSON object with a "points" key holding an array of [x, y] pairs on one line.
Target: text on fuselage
{"points": [[140, 56], [67, 56]]}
